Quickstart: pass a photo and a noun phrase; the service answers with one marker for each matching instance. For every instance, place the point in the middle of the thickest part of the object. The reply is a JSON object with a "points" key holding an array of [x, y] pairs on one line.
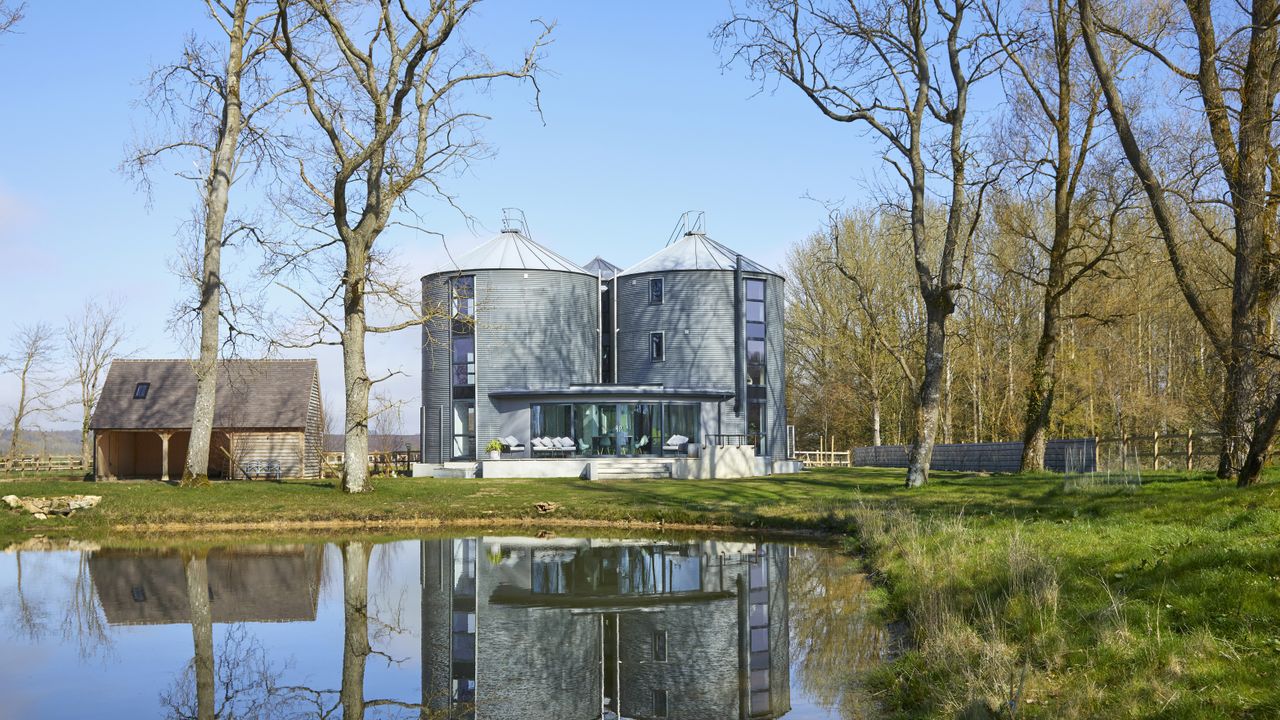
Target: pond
{"points": [[466, 627]]}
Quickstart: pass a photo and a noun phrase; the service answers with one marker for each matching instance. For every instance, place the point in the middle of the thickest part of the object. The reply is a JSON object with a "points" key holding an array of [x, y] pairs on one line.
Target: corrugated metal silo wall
{"points": [[435, 369], [697, 319], [535, 329]]}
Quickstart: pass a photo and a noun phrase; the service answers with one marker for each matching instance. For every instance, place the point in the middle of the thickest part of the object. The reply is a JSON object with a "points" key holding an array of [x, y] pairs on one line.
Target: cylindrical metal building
{"points": [[511, 313], [696, 313]]}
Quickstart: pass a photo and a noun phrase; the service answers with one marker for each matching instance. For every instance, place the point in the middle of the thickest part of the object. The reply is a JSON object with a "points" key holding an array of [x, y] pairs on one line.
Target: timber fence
{"points": [[23, 464]]}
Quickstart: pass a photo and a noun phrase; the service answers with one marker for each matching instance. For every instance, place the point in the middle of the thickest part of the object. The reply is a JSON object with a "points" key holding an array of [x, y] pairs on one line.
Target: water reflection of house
{"points": [[580, 629], [246, 584]]}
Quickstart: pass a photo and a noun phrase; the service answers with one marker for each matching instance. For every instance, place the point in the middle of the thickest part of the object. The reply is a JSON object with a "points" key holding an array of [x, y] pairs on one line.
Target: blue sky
{"points": [[639, 124]]}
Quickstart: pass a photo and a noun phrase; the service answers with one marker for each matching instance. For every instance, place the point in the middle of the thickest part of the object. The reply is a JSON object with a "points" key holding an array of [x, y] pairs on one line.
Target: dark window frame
{"points": [[661, 296], [662, 346], [661, 705], [140, 390], [660, 646]]}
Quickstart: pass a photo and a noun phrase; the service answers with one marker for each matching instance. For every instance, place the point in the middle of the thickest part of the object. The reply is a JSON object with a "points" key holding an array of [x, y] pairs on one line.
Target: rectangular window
{"points": [[657, 347], [656, 291], [659, 703], [755, 289], [464, 360], [660, 646], [140, 391], [463, 291]]}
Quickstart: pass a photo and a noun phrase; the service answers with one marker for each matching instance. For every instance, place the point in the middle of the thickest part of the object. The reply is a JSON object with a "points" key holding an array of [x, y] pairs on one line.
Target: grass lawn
{"points": [[1024, 597]]}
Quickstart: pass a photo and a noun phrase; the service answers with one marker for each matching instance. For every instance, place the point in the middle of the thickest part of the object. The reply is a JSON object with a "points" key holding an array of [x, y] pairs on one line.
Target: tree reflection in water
{"points": [[509, 627], [835, 637]]}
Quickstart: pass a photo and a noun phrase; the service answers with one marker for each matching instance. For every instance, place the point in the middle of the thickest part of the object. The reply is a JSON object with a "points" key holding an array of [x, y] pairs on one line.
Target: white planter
{"points": [[495, 455]]}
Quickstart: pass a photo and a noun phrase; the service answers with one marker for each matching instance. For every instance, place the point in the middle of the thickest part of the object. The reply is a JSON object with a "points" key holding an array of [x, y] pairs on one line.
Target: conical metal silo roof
{"points": [[695, 251], [603, 268], [510, 250]]}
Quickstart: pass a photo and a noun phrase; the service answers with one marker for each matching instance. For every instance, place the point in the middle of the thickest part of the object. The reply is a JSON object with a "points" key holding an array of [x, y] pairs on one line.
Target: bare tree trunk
{"points": [[355, 646], [355, 462], [929, 398], [197, 572], [217, 189], [1040, 389], [875, 418]]}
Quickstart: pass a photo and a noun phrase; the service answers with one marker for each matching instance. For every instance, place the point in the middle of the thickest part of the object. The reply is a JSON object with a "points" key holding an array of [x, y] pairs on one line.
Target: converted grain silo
{"points": [[698, 314], [511, 313]]}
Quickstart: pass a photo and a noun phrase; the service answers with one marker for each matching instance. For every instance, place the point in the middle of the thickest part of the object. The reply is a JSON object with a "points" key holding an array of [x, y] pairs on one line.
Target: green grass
{"points": [[1025, 596]]}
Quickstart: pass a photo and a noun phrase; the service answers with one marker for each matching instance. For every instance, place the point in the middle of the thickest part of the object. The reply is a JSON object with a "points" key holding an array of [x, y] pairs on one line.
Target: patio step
{"points": [[628, 469]]}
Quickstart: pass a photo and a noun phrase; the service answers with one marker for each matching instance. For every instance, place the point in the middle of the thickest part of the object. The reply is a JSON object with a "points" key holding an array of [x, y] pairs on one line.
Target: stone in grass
{"points": [[42, 507]]}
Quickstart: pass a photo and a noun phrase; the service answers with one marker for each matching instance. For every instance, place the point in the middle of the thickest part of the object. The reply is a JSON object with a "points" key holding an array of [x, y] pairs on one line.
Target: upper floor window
{"points": [[657, 347], [660, 645], [140, 391], [463, 297], [656, 290]]}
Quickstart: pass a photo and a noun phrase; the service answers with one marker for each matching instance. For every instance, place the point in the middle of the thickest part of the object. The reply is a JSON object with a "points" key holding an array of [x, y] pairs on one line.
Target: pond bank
{"points": [[1022, 592]]}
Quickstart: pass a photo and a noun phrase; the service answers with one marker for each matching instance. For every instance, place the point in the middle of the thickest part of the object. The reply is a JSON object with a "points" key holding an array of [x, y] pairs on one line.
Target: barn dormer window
{"points": [[140, 391]]}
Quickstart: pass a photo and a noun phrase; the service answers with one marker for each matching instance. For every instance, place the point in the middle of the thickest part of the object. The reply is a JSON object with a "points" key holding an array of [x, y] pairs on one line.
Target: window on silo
{"points": [[660, 703], [463, 297], [657, 347], [757, 361], [656, 291], [462, 356]]}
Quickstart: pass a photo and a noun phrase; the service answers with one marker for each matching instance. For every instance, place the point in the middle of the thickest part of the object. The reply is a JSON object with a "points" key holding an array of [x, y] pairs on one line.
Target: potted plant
{"points": [[495, 450]]}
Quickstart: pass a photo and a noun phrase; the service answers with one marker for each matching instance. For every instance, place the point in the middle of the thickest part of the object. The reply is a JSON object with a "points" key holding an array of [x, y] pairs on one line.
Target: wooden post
{"points": [[1189, 449], [164, 456], [1097, 466], [1124, 451], [1155, 450]]}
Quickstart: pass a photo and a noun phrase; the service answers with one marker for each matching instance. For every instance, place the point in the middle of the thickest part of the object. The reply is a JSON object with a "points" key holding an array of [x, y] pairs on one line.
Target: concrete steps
{"points": [[628, 469]]}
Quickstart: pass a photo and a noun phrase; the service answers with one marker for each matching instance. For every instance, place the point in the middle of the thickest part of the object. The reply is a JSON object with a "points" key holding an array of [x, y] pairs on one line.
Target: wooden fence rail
{"points": [[41, 463], [825, 458], [1168, 450]]}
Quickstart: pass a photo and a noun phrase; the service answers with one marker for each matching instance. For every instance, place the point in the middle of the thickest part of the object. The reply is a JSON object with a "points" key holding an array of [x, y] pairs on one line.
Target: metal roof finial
{"points": [[513, 220], [692, 222]]}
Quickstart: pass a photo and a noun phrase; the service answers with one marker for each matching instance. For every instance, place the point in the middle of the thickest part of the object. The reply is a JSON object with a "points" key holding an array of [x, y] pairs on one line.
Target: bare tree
{"points": [[1234, 56], [1051, 138], [217, 101], [389, 124], [94, 337], [10, 16], [901, 69], [33, 365]]}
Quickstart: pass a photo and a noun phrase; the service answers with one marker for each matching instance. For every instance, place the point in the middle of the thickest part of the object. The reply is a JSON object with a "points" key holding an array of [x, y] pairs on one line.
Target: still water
{"points": [[472, 627]]}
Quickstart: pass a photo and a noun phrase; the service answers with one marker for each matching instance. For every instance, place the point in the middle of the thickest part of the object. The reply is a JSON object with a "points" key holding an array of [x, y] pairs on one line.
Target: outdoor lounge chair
{"points": [[550, 446], [676, 443], [511, 444]]}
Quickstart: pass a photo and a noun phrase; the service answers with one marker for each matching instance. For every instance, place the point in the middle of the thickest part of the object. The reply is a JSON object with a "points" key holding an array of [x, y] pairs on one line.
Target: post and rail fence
{"points": [[23, 464]]}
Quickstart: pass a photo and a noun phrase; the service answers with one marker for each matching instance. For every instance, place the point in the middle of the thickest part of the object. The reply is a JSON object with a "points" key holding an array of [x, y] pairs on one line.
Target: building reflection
{"points": [[245, 584], [582, 629]]}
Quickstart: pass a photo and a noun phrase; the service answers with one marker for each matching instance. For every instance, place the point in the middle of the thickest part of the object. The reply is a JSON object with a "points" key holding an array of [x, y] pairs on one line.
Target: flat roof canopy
{"points": [[617, 392]]}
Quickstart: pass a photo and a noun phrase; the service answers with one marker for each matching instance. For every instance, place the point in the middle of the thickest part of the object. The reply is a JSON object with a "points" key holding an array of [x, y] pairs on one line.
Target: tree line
{"points": [[1095, 250], [306, 128]]}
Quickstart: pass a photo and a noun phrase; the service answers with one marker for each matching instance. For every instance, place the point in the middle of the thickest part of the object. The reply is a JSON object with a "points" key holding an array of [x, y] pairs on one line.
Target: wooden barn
{"points": [[267, 420]]}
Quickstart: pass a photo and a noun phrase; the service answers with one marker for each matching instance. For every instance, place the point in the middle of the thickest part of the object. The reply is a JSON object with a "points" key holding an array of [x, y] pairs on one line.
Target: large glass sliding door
{"points": [[596, 429], [681, 419], [645, 423], [617, 429], [464, 429]]}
